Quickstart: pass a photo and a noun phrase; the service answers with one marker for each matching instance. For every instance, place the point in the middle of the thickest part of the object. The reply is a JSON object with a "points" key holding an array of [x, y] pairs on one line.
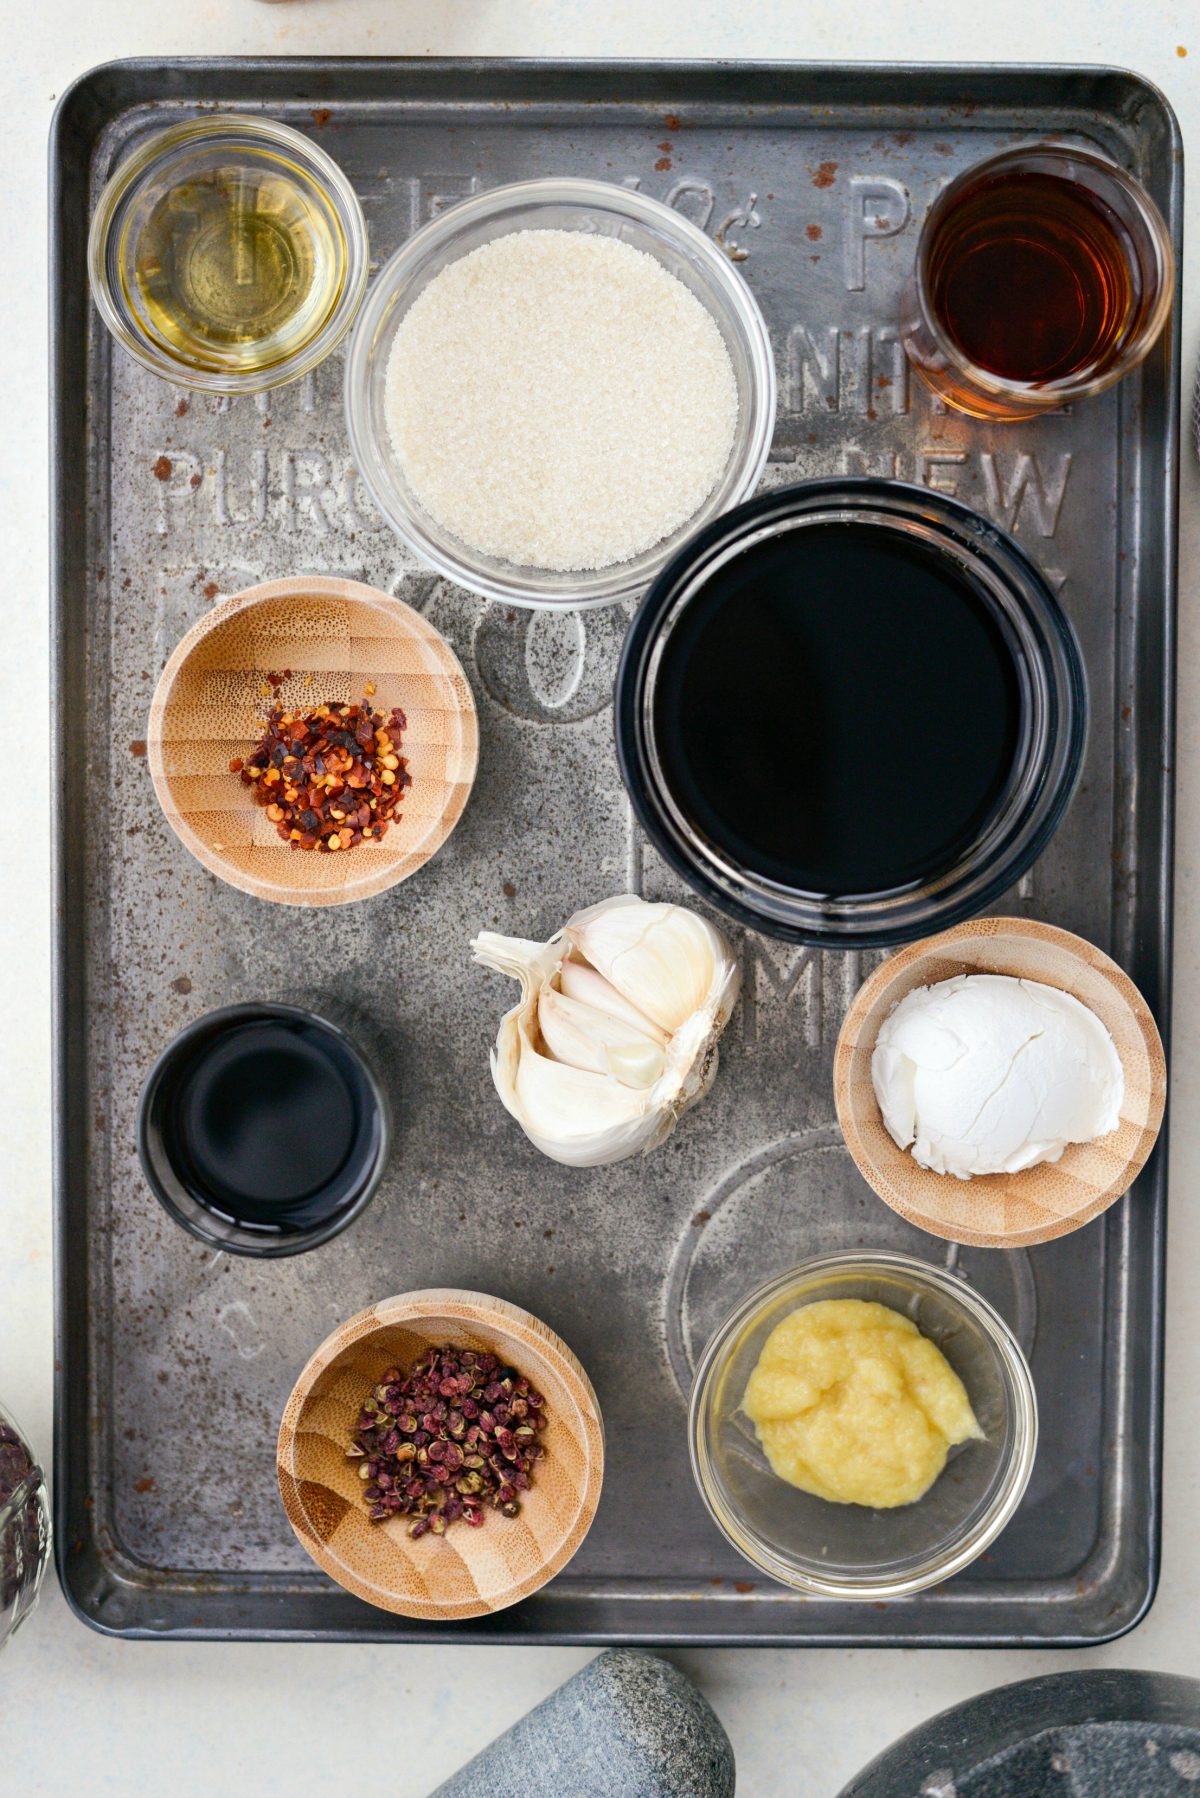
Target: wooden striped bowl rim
{"points": [[337, 637]]}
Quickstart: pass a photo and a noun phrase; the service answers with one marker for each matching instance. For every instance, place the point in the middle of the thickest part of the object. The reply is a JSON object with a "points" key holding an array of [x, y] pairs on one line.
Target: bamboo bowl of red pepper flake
{"points": [[394, 1562], [281, 651]]}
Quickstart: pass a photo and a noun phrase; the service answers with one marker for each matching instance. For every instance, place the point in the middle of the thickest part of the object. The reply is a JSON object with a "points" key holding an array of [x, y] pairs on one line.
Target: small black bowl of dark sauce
{"points": [[850, 712], [263, 1129]]}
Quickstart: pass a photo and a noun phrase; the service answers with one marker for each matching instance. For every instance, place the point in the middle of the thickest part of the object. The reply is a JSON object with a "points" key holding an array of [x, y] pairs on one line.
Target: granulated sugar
{"points": [[560, 400]]}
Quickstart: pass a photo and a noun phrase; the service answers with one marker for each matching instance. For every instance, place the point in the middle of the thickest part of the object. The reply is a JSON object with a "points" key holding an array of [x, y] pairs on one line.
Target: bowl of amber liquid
{"points": [[228, 254], [1043, 275], [842, 1550]]}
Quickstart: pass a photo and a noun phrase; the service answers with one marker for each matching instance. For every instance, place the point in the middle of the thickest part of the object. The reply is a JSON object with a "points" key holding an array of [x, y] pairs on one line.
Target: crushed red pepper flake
{"points": [[329, 778], [457, 1432]]}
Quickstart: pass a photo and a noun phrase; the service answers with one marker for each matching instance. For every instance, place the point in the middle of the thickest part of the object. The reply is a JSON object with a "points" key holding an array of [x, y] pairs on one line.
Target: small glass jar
{"points": [[160, 189], [1046, 763], [598, 207], [198, 1190], [1147, 248], [24, 1527], [846, 1550]]}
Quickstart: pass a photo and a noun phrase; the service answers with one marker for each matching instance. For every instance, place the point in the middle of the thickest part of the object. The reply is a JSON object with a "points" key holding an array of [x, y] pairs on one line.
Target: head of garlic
{"points": [[615, 1033]]}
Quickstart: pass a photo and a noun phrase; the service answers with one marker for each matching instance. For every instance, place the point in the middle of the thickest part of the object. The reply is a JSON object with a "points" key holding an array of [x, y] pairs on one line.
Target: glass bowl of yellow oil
{"points": [[887, 1549], [228, 254]]}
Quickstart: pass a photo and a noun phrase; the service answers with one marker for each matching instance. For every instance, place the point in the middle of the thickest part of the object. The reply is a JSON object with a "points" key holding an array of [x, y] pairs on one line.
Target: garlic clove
{"points": [[581, 1118], [642, 1071], [583, 1037], [635, 1065], [664, 959], [579, 981]]}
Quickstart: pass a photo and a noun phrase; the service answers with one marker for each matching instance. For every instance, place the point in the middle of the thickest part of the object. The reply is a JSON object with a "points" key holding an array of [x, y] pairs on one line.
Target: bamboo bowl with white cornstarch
{"points": [[463, 1572], [300, 643], [1037, 1203]]}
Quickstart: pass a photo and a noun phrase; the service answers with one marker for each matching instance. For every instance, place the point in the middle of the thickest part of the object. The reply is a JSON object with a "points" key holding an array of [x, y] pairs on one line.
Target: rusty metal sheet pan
{"points": [[175, 1362]]}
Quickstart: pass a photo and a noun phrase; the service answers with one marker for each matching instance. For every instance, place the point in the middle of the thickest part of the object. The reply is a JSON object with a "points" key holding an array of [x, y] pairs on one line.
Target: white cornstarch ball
{"points": [[987, 1074], [560, 400]]}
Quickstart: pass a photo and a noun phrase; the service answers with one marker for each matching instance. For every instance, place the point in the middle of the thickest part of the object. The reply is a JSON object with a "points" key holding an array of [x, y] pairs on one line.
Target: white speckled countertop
{"points": [[140, 1719]]}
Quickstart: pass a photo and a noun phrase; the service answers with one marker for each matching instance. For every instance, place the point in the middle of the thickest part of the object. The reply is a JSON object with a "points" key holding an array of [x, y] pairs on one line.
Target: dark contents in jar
{"points": [[838, 709], [22, 1541], [272, 1123], [457, 1433], [330, 778]]}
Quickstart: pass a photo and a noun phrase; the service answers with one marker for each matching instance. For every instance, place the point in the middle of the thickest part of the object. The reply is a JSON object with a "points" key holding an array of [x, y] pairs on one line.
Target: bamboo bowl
{"points": [[336, 637], [1039, 1203], [467, 1572]]}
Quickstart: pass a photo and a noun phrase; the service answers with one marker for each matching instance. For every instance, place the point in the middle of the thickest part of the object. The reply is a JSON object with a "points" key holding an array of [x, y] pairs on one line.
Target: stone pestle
{"points": [[628, 1726]]}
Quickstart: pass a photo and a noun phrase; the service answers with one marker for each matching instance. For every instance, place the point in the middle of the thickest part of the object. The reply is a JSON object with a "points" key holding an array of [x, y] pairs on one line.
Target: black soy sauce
{"points": [[272, 1125], [839, 710]]}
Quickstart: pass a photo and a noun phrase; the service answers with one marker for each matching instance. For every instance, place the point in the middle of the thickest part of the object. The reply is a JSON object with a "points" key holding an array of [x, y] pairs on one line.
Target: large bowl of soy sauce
{"points": [[263, 1129], [851, 712]]}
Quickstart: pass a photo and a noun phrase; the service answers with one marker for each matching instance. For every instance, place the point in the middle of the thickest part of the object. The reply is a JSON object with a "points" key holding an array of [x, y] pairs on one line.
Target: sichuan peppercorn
{"points": [[457, 1432]]}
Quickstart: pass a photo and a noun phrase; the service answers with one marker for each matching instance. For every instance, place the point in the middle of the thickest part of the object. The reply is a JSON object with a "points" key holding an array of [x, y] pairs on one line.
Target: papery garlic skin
{"points": [[600, 1057]]}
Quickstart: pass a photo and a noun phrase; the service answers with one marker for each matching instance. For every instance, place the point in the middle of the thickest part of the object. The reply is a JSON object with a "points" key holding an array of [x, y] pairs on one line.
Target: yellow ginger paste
{"points": [[853, 1404]]}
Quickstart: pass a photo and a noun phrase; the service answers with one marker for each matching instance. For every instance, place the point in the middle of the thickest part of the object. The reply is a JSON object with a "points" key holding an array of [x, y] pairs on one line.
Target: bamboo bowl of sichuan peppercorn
{"points": [[441, 1455], [290, 803]]}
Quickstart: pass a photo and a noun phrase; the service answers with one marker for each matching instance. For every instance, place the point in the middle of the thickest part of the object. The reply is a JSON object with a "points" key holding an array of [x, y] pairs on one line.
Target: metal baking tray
{"points": [[174, 1362]]}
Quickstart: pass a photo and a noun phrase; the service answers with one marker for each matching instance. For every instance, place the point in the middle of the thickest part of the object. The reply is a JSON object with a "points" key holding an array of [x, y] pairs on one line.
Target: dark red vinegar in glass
{"points": [[1033, 276]]}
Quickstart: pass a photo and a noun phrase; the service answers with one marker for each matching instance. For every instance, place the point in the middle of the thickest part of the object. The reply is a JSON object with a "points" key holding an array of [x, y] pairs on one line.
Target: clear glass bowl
{"points": [[1047, 759], [851, 1551], [193, 152], [563, 205], [24, 1527]]}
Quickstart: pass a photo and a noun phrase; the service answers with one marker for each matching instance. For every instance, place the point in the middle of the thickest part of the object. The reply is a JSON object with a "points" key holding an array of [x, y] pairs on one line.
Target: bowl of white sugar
{"points": [[552, 384]]}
